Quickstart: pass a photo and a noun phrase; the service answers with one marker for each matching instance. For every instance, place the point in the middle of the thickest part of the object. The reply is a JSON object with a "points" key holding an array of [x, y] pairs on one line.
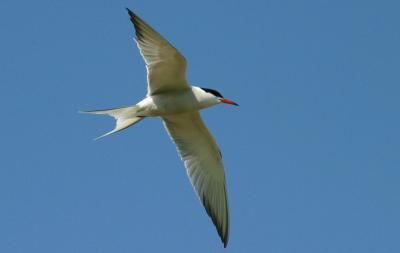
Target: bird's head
{"points": [[217, 97]]}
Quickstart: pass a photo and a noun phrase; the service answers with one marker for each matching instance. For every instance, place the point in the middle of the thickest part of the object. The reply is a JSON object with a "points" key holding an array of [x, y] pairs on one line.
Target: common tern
{"points": [[170, 97]]}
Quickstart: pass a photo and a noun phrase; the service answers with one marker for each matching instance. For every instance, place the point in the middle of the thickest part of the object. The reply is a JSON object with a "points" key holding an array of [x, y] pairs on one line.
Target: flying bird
{"points": [[170, 97]]}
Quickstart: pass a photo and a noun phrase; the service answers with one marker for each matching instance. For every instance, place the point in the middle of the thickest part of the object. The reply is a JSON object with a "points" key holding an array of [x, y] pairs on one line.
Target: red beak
{"points": [[227, 101]]}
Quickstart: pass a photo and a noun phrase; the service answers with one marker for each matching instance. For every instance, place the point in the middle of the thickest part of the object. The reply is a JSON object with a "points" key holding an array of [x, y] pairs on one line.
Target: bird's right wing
{"points": [[204, 165], [166, 67]]}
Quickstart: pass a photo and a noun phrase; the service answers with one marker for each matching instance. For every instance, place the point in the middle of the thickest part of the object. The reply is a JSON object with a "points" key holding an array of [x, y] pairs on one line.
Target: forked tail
{"points": [[124, 116]]}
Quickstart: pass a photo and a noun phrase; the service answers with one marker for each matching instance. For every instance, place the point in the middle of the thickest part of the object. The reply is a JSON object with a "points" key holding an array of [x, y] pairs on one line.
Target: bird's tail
{"points": [[124, 116]]}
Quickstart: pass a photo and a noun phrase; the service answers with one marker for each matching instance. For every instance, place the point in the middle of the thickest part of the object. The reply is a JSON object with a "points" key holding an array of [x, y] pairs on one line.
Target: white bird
{"points": [[171, 97]]}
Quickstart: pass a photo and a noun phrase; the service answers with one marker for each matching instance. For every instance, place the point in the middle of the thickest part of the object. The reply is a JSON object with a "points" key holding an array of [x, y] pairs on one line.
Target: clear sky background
{"points": [[312, 154]]}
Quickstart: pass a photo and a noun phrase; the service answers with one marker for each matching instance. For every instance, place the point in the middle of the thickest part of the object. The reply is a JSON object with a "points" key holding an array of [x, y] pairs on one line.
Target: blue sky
{"points": [[311, 155]]}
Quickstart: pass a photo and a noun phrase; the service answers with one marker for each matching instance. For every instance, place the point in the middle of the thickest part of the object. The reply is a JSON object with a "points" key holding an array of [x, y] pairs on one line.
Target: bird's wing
{"points": [[204, 165], [166, 67]]}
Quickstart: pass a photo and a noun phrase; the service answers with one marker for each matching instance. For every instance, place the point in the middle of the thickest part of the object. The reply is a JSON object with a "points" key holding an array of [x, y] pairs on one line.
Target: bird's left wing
{"points": [[204, 165], [166, 67]]}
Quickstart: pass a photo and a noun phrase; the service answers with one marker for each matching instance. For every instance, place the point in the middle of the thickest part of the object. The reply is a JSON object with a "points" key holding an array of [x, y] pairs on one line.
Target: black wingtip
{"points": [[224, 241], [130, 12]]}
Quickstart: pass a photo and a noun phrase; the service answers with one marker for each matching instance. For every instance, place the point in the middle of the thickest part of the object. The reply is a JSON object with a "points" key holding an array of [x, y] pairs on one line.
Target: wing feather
{"points": [[204, 165], [166, 67]]}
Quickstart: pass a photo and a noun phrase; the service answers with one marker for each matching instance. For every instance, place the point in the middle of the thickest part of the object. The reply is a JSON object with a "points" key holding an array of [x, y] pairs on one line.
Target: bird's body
{"points": [[170, 97], [175, 102]]}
